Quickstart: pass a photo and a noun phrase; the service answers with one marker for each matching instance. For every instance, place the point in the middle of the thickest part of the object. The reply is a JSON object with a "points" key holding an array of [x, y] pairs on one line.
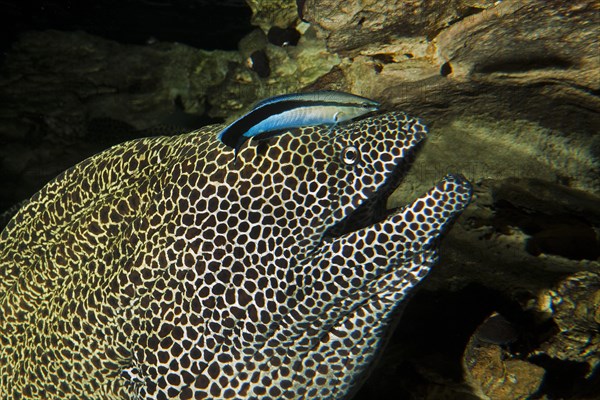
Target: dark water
{"points": [[205, 24]]}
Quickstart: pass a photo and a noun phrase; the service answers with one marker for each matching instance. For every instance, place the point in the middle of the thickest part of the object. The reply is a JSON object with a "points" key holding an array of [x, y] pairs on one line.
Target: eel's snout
{"points": [[449, 197], [434, 213], [422, 224], [458, 188]]}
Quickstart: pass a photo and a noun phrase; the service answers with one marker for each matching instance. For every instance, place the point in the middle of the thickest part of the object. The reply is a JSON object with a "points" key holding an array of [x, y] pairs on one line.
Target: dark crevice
{"points": [[446, 69], [283, 37], [464, 13], [524, 65], [259, 63], [565, 379], [562, 235], [433, 332], [300, 7], [384, 58], [558, 220]]}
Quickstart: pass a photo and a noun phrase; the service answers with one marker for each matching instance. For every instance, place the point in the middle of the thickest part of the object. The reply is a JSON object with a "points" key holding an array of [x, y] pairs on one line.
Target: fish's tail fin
{"points": [[238, 145], [228, 137]]}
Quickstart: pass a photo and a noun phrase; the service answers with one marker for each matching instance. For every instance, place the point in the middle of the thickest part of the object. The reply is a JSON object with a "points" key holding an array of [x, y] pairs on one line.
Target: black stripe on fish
{"points": [[233, 135]]}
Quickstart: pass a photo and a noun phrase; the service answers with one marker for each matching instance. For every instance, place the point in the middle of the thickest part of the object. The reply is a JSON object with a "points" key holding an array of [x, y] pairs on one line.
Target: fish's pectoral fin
{"points": [[337, 117], [332, 128], [336, 120]]}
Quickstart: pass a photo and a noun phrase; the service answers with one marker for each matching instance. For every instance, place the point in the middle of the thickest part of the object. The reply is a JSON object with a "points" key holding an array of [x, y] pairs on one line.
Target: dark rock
{"points": [[576, 304], [496, 330], [190, 22], [567, 359], [492, 375]]}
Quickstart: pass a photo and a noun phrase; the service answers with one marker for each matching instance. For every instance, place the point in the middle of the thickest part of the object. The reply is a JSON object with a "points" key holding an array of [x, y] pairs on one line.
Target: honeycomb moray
{"points": [[157, 269]]}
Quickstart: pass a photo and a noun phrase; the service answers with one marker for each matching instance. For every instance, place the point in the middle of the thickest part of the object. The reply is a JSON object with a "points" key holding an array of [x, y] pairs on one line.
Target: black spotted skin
{"points": [[162, 269]]}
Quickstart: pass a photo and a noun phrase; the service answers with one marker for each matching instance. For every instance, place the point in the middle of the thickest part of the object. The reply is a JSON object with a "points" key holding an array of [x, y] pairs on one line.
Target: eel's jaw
{"points": [[344, 298], [446, 200], [435, 212], [386, 145], [374, 208], [364, 276]]}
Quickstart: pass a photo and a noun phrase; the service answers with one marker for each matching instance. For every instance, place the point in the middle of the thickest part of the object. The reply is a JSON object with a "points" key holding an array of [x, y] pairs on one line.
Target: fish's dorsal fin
{"points": [[282, 97], [320, 95]]}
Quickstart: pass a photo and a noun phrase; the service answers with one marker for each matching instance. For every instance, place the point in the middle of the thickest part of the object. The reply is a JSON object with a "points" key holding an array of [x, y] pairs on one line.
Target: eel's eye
{"points": [[350, 155]]}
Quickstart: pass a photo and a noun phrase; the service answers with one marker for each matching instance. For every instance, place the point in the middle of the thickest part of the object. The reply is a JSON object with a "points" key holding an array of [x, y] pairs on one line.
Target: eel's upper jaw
{"points": [[369, 206]]}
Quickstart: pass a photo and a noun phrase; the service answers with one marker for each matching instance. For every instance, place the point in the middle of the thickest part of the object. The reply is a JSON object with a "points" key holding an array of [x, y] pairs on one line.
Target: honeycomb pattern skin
{"points": [[162, 269]]}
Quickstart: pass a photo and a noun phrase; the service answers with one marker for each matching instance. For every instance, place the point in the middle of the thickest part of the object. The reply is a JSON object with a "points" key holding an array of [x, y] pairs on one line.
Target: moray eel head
{"points": [[322, 176], [161, 269]]}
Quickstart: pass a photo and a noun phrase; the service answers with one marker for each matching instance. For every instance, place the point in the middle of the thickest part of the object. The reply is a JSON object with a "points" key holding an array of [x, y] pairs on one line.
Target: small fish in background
{"points": [[272, 116]]}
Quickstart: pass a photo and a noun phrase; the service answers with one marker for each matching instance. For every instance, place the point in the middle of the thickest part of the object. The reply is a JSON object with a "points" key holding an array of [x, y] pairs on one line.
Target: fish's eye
{"points": [[350, 155]]}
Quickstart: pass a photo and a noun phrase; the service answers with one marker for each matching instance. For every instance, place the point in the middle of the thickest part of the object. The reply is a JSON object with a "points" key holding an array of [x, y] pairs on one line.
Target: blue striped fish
{"points": [[276, 114]]}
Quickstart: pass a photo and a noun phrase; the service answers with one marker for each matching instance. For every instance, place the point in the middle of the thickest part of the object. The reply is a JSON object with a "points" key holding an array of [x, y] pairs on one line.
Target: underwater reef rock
{"points": [[267, 14], [512, 43], [351, 25], [525, 42], [492, 375], [575, 307], [566, 353], [292, 68]]}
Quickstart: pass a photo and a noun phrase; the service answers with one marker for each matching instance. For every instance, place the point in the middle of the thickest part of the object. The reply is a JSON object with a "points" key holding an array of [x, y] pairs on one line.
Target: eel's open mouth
{"points": [[374, 209]]}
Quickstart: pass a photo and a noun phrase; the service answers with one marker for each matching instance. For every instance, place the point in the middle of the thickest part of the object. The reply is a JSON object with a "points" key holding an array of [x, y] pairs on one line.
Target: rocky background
{"points": [[509, 90]]}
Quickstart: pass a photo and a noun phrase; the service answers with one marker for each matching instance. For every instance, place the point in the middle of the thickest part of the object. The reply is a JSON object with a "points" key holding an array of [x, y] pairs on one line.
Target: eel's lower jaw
{"points": [[364, 215], [457, 192]]}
